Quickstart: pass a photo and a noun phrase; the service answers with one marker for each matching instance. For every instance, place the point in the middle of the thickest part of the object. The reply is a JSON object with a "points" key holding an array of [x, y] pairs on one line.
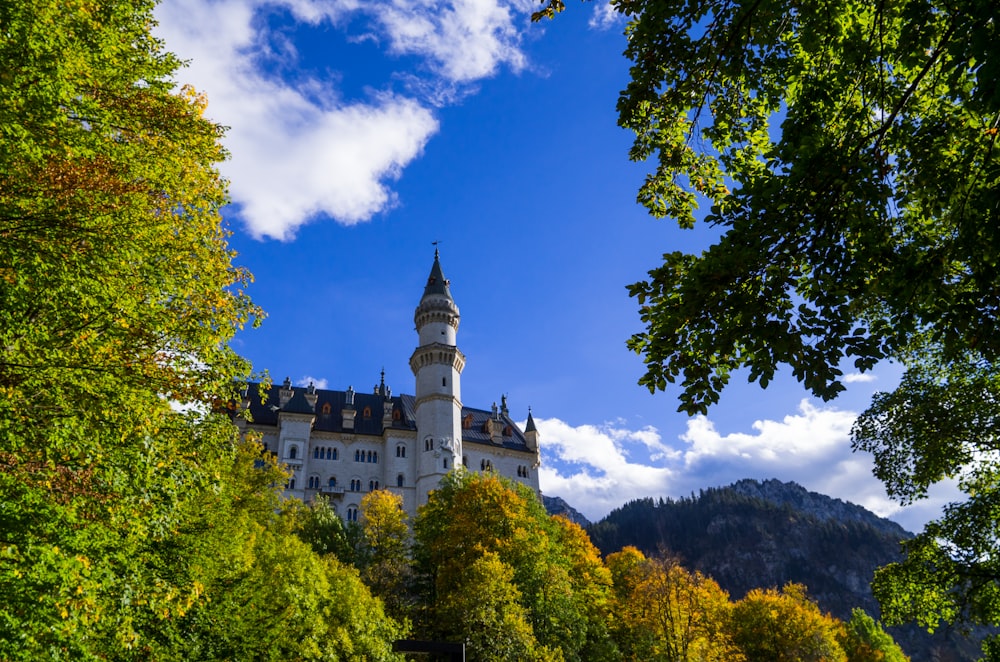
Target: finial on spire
{"points": [[435, 244]]}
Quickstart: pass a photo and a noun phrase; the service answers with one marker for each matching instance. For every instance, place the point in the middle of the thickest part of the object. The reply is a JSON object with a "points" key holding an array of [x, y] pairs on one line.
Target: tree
{"points": [[848, 156], [118, 297], [663, 612], [484, 610], [864, 640], [474, 516], [785, 626], [847, 151], [386, 569]]}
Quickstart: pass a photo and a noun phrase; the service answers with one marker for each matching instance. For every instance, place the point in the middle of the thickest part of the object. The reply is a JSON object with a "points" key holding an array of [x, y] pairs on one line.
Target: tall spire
{"points": [[436, 282]]}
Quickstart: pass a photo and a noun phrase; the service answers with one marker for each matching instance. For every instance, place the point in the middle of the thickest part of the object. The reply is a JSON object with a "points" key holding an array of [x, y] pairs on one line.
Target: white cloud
{"points": [[591, 466], [605, 17], [859, 377], [319, 382], [299, 150], [463, 40]]}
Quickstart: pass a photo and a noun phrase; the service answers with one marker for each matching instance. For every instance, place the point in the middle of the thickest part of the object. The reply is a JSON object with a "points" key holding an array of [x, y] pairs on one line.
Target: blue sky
{"points": [[360, 132]]}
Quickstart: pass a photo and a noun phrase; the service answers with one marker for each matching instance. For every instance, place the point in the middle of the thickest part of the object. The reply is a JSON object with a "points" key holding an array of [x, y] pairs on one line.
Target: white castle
{"points": [[342, 444]]}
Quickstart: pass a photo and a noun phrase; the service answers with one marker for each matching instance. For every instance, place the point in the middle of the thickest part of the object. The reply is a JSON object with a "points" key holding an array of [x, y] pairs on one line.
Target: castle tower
{"points": [[437, 365]]}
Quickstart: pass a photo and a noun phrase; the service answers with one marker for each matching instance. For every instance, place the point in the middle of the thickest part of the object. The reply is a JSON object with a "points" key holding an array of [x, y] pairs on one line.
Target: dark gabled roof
{"points": [[476, 433], [298, 404], [329, 415], [329, 410]]}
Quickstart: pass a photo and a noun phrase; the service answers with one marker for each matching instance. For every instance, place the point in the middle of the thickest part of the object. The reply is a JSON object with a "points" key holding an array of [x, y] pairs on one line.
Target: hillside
{"points": [[762, 534]]}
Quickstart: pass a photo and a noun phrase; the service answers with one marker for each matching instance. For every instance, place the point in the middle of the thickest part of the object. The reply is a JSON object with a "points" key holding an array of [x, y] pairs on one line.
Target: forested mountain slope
{"points": [[764, 534]]}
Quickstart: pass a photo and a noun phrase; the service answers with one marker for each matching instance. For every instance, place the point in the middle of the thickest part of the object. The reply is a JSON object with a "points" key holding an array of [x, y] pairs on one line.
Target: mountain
{"points": [[558, 506], [760, 534]]}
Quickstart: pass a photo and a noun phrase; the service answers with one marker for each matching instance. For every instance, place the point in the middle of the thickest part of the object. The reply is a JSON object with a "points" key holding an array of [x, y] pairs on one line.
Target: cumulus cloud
{"points": [[598, 468], [859, 377], [319, 382], [605, 17], [298, 149]]}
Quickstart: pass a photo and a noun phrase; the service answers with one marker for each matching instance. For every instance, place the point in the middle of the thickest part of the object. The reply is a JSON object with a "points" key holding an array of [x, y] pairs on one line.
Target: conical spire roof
{"points": [[436, 282], [530, 425]]}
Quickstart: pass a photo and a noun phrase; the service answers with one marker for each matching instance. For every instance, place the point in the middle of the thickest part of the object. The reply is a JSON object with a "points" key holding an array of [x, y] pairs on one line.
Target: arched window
{"points": [[290, 484], [399, 480], [316, 452], [465, 460], [355, 484], [445, 463], [293, 452], [313, 482], [444, 381], [334, 454], [357, 456], [326, 408], [332, 482], [367, 413], [375, 455], [370, 456], [482, 465], [352, 514], [401, 451]]}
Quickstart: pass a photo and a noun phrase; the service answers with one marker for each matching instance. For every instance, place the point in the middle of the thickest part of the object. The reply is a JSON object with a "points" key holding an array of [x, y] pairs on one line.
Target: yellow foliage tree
{"points": [[786, 626]]}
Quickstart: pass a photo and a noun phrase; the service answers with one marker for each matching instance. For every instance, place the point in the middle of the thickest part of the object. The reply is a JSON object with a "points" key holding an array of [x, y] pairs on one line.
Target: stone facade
{"points": [[343, 444]]}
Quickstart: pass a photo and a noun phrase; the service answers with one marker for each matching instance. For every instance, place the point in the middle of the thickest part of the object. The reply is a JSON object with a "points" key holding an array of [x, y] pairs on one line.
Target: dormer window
{"points": [[326, 409], [397, 415], [467, 422], [367, 413]]}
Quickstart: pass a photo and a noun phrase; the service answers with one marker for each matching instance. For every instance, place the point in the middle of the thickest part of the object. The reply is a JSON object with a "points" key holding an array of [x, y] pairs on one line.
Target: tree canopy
{"points": [[135, 523], [847, 154]]}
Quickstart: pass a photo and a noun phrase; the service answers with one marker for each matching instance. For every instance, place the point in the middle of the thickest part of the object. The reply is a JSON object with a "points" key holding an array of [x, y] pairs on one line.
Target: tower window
{"points": [[293, 452], [444, 381], [399, 480], [400, 451], [445, 463]]}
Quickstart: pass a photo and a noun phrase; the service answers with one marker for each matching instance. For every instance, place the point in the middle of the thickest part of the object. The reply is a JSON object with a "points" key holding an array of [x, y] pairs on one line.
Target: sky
{"points": [[362, 131]]}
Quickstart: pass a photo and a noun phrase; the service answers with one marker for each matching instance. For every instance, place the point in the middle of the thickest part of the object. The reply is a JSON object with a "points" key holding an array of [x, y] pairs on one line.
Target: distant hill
{"points": [[557, 506], [756, 534]]}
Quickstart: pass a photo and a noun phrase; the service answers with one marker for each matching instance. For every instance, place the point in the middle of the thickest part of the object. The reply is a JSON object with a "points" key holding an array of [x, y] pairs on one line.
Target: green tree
{"points": [[473, 515], [117, 299], [864, 640], [318, 525], [847, 154], [484, 610]]}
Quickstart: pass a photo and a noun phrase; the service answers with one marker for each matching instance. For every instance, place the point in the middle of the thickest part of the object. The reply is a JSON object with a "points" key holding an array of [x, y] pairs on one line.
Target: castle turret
{"points": [[437, 365]]}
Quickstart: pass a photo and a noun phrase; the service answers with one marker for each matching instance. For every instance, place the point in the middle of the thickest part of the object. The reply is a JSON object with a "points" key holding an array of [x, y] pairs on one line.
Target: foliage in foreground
{"points": [[848, 154], [135, 524]]}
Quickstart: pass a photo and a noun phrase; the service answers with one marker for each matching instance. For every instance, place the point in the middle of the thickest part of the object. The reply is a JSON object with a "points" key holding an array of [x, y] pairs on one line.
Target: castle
{"points": [[342, 444]]}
